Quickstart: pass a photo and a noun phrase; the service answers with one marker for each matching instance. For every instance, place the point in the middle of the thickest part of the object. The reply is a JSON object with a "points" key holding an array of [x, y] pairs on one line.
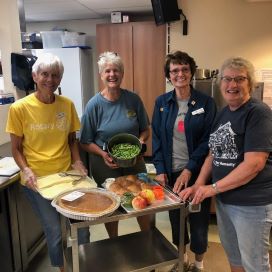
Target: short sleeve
{"points": [[258, 135], [75, 123], [15, 121]]}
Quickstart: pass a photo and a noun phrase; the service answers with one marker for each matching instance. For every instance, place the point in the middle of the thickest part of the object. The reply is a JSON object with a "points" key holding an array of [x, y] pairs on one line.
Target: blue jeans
{"points": [[244, 232], [198, 223], [50, 220]]}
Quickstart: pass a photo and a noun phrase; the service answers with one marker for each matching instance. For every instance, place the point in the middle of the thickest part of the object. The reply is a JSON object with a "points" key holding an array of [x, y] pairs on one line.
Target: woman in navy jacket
{"points": [[181, 125]]}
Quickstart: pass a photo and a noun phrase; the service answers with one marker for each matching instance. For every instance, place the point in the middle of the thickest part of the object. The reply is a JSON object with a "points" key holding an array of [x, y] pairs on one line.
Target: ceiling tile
{"points": [[49, 10]]}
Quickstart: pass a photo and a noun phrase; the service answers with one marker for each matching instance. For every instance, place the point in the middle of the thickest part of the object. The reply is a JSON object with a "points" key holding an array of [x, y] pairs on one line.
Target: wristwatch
{"points": [[214, 185]]}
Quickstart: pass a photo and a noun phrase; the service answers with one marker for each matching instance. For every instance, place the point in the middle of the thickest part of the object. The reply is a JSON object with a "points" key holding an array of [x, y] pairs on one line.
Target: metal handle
{"points": [[144, 148], [193, 208]]}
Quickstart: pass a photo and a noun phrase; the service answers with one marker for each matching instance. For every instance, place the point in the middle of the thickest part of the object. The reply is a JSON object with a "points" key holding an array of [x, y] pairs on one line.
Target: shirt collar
{"points": [[192, 100]]}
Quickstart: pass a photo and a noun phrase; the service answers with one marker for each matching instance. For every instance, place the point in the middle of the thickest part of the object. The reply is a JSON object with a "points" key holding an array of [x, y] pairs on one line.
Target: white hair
{"points": [[48, 60], [109, 58]]}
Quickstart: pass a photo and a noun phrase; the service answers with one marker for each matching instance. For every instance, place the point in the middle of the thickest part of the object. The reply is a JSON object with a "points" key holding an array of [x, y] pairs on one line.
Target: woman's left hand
{"points": [[203, 191], [79, 166], [182, 181]]}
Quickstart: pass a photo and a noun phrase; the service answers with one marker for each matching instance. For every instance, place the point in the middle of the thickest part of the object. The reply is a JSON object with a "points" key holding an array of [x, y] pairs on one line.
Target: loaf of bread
{"points": [[128, 183], [131, 178], [146, 186], [134, 188]]}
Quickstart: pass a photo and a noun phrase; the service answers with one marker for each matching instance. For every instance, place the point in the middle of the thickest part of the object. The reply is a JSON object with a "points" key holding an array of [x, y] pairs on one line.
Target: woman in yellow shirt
{"points": [[42, 128]]}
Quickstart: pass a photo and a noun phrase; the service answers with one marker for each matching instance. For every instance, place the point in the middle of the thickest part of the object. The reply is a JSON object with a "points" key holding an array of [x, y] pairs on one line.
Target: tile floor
{"points": [[41, 262]]}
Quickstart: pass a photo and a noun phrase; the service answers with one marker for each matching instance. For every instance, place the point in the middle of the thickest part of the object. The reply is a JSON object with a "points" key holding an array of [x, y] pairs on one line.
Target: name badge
{"points": [[199, 111]]}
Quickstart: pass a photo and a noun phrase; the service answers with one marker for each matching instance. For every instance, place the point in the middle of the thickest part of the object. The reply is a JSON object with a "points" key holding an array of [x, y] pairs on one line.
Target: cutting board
{"points": [[52, 185]]}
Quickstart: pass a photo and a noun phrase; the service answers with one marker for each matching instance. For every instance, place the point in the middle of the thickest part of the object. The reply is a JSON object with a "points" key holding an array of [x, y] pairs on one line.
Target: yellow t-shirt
{"points": [[45, 129]]}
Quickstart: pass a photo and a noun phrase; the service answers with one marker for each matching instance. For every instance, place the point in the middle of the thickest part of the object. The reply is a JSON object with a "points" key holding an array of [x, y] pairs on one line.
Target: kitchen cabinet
{"points": [[6, 256], [139, 251], [21, 233], [32, 238], [142, 47]]}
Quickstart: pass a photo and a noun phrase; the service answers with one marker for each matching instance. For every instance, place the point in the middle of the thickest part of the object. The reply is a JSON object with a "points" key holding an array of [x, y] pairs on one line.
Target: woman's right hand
{"points": [[188, 193], [30, 178], [109, 161], [162, 179]]}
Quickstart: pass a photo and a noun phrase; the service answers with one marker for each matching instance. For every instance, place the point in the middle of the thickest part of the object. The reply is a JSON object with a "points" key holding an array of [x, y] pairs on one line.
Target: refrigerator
{"points": [[77, 82], [211, 88]]}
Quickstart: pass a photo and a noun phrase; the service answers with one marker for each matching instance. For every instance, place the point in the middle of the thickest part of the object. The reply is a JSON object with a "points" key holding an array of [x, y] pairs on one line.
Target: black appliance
{"points": [[165, 11], [21, 68]]}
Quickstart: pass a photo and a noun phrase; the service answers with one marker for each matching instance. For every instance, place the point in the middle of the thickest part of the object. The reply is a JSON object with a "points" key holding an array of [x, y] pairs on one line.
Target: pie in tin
{"points": [[89, 203], [93, 203]]}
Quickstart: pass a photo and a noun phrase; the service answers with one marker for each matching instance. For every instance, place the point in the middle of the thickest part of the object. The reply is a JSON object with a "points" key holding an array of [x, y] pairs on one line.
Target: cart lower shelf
{"points": [[140, 251]]}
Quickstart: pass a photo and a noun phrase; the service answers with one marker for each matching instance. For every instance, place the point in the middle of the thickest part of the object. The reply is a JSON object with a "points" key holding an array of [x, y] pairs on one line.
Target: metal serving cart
{"points": [[139, 251]]}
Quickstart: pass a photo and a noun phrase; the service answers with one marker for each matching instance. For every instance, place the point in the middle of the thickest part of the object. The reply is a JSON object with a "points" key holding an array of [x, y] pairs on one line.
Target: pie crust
{"points": [[89, 203]]}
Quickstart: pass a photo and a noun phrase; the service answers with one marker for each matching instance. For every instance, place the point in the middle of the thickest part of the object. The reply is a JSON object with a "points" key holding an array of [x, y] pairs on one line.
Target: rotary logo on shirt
{"points": [[131, 113], [61, 121]]}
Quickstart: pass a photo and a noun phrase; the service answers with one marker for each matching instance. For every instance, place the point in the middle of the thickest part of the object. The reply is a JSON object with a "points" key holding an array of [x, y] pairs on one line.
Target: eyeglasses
{"points": [[238, 79], [184, 70]]}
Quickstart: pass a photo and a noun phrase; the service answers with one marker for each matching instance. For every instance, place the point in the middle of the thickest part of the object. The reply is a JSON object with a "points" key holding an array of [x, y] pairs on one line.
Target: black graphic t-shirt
{"points": [[247, 129]]}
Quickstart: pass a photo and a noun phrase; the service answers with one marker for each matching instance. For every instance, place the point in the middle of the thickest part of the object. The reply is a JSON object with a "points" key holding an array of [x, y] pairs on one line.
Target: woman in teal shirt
{"points": [[111, 111]]}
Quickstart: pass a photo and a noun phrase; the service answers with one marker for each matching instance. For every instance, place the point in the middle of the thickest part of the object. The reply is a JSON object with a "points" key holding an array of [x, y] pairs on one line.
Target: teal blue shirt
{"points": [[103, 119]]}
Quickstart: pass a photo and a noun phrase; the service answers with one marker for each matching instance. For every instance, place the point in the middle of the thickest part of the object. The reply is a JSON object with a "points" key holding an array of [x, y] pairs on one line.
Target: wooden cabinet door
{"points": [[149, 49], [142, 47], [117, 38]]}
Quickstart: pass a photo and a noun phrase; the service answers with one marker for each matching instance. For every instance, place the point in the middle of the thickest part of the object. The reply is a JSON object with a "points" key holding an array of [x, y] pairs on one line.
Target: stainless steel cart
{"points": [[139, 251]]}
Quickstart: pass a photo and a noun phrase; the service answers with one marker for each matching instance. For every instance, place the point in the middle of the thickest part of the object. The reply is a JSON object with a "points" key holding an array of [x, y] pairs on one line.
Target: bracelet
{"points": [[214, 185]]}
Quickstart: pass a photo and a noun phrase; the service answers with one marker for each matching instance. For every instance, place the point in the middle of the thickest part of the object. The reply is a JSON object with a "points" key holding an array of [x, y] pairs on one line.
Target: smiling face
{"points": [[180, 75], [235, 87], [111, 76], [47, 80]]}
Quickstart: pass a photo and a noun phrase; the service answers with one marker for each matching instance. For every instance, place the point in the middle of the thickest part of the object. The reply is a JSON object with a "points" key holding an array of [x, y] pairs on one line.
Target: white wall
{"points": [[9, 42], [219, 29], [222, 28]]}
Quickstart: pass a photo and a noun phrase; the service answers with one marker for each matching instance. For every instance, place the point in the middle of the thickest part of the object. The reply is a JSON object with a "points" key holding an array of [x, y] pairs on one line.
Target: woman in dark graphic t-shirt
{"points": [[240, 163]]}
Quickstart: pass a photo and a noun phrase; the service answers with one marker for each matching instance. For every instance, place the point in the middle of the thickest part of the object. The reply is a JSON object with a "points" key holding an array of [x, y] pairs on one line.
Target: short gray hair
{"points": [[48, 60], [109, 58], [240, 64]]}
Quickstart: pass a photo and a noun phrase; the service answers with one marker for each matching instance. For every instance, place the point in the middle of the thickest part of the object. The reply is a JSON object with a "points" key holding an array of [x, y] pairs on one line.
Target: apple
{"points": [[148, 195], [139, 203]]}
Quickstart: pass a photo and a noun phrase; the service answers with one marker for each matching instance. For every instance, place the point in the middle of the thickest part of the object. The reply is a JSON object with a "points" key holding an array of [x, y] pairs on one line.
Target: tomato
{"points": [[158, 192]]}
